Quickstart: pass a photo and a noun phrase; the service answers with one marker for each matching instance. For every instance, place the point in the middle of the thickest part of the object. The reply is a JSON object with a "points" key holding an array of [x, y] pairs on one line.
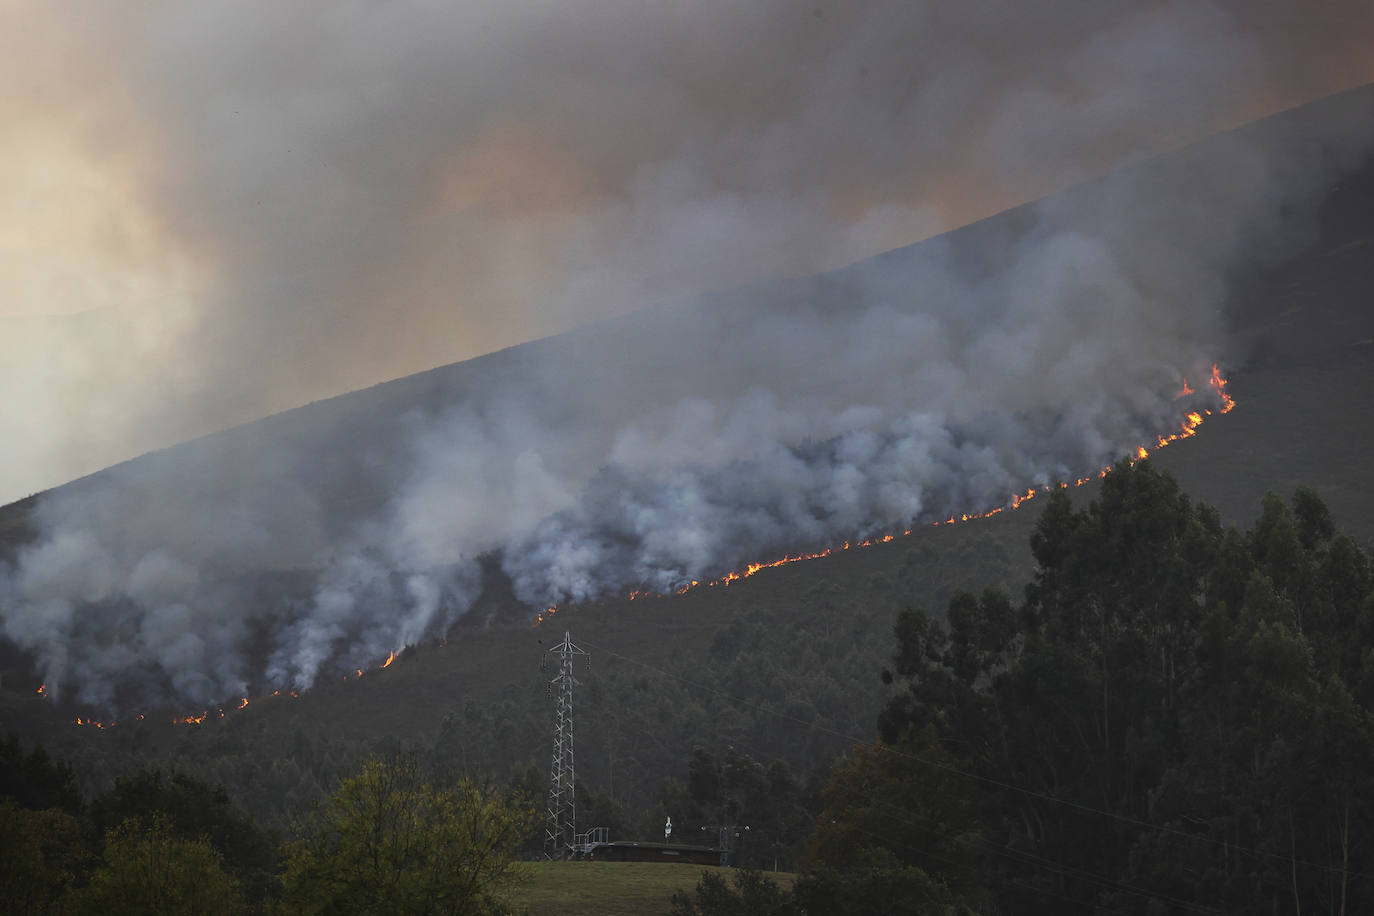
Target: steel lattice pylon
{"points": [[562, 822]]}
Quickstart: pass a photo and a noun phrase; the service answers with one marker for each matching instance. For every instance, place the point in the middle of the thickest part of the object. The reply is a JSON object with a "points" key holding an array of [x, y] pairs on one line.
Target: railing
{"points": [[585, 843]]}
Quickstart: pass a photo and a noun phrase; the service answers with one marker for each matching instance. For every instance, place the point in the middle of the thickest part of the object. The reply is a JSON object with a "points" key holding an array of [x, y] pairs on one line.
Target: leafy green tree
{"points": [[192, 809], [896, 804], [41, 855], [1177, 716], [1315, 526], [148, 869], [390, 842], [43, 851], [36, 781]]}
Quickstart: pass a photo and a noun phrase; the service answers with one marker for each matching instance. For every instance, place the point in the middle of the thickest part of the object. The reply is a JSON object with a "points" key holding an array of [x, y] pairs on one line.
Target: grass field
{"points": [[611, 888]]}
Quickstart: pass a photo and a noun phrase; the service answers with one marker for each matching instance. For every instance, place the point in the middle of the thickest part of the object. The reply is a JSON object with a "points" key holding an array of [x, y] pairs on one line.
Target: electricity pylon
{"points": [[561, 830]]}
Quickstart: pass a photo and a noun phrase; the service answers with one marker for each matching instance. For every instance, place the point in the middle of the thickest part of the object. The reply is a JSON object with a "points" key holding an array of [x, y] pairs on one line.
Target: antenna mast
{"points": [[561, 831]]}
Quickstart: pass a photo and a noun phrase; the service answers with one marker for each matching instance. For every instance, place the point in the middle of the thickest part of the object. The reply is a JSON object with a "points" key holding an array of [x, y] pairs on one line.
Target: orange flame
{"points": [[1219, 386], [42, 689], [1187, 428]]}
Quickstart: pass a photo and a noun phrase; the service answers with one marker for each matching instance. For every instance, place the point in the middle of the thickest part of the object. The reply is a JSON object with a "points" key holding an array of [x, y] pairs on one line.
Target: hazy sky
{"points": [[214, 211]]}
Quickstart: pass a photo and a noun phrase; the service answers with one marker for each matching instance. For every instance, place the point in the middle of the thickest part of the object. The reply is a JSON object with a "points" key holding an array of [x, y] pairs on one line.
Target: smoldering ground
{"points": [[676, 443]]}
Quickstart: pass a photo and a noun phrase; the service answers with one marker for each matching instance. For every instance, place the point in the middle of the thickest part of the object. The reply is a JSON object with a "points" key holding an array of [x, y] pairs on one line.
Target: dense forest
{"points": [[1175, 718]]}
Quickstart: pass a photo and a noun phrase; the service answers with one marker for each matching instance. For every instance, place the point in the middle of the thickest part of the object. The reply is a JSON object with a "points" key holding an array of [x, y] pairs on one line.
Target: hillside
{"points": [[1298, 310], [782, 665]]}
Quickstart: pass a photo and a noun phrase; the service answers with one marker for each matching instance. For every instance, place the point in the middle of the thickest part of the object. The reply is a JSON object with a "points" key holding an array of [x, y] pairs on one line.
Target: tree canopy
{"points": [[1175, 719], [390, 841], [148, 868]]}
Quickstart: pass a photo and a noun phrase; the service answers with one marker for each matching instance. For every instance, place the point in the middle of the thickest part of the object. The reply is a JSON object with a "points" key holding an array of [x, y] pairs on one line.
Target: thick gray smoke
{"points": [[666, 447], [354, 192], [680, 442]]}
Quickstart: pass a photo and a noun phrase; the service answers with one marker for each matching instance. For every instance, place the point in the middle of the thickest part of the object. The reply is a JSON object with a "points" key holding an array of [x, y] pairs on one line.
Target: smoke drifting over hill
{"points": [[675, 444], [338, 196]]}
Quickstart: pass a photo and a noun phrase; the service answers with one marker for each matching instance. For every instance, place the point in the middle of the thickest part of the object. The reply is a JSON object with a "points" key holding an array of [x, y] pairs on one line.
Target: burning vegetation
{"points": [[1188, 427], [1219, 397]]}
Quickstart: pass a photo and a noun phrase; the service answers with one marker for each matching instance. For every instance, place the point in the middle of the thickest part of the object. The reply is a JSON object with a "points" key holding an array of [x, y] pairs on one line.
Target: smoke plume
{"points": [[218, 212], [422, 188]]}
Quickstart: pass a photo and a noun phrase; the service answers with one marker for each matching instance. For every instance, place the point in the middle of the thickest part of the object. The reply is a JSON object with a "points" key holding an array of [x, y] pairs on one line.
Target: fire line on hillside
{"points": [[1188, 427]]}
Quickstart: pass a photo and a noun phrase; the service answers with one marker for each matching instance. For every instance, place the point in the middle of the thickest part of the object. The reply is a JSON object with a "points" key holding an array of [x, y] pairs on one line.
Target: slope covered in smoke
{"points": [[782, 666], [219, 213], [675, 444]]}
